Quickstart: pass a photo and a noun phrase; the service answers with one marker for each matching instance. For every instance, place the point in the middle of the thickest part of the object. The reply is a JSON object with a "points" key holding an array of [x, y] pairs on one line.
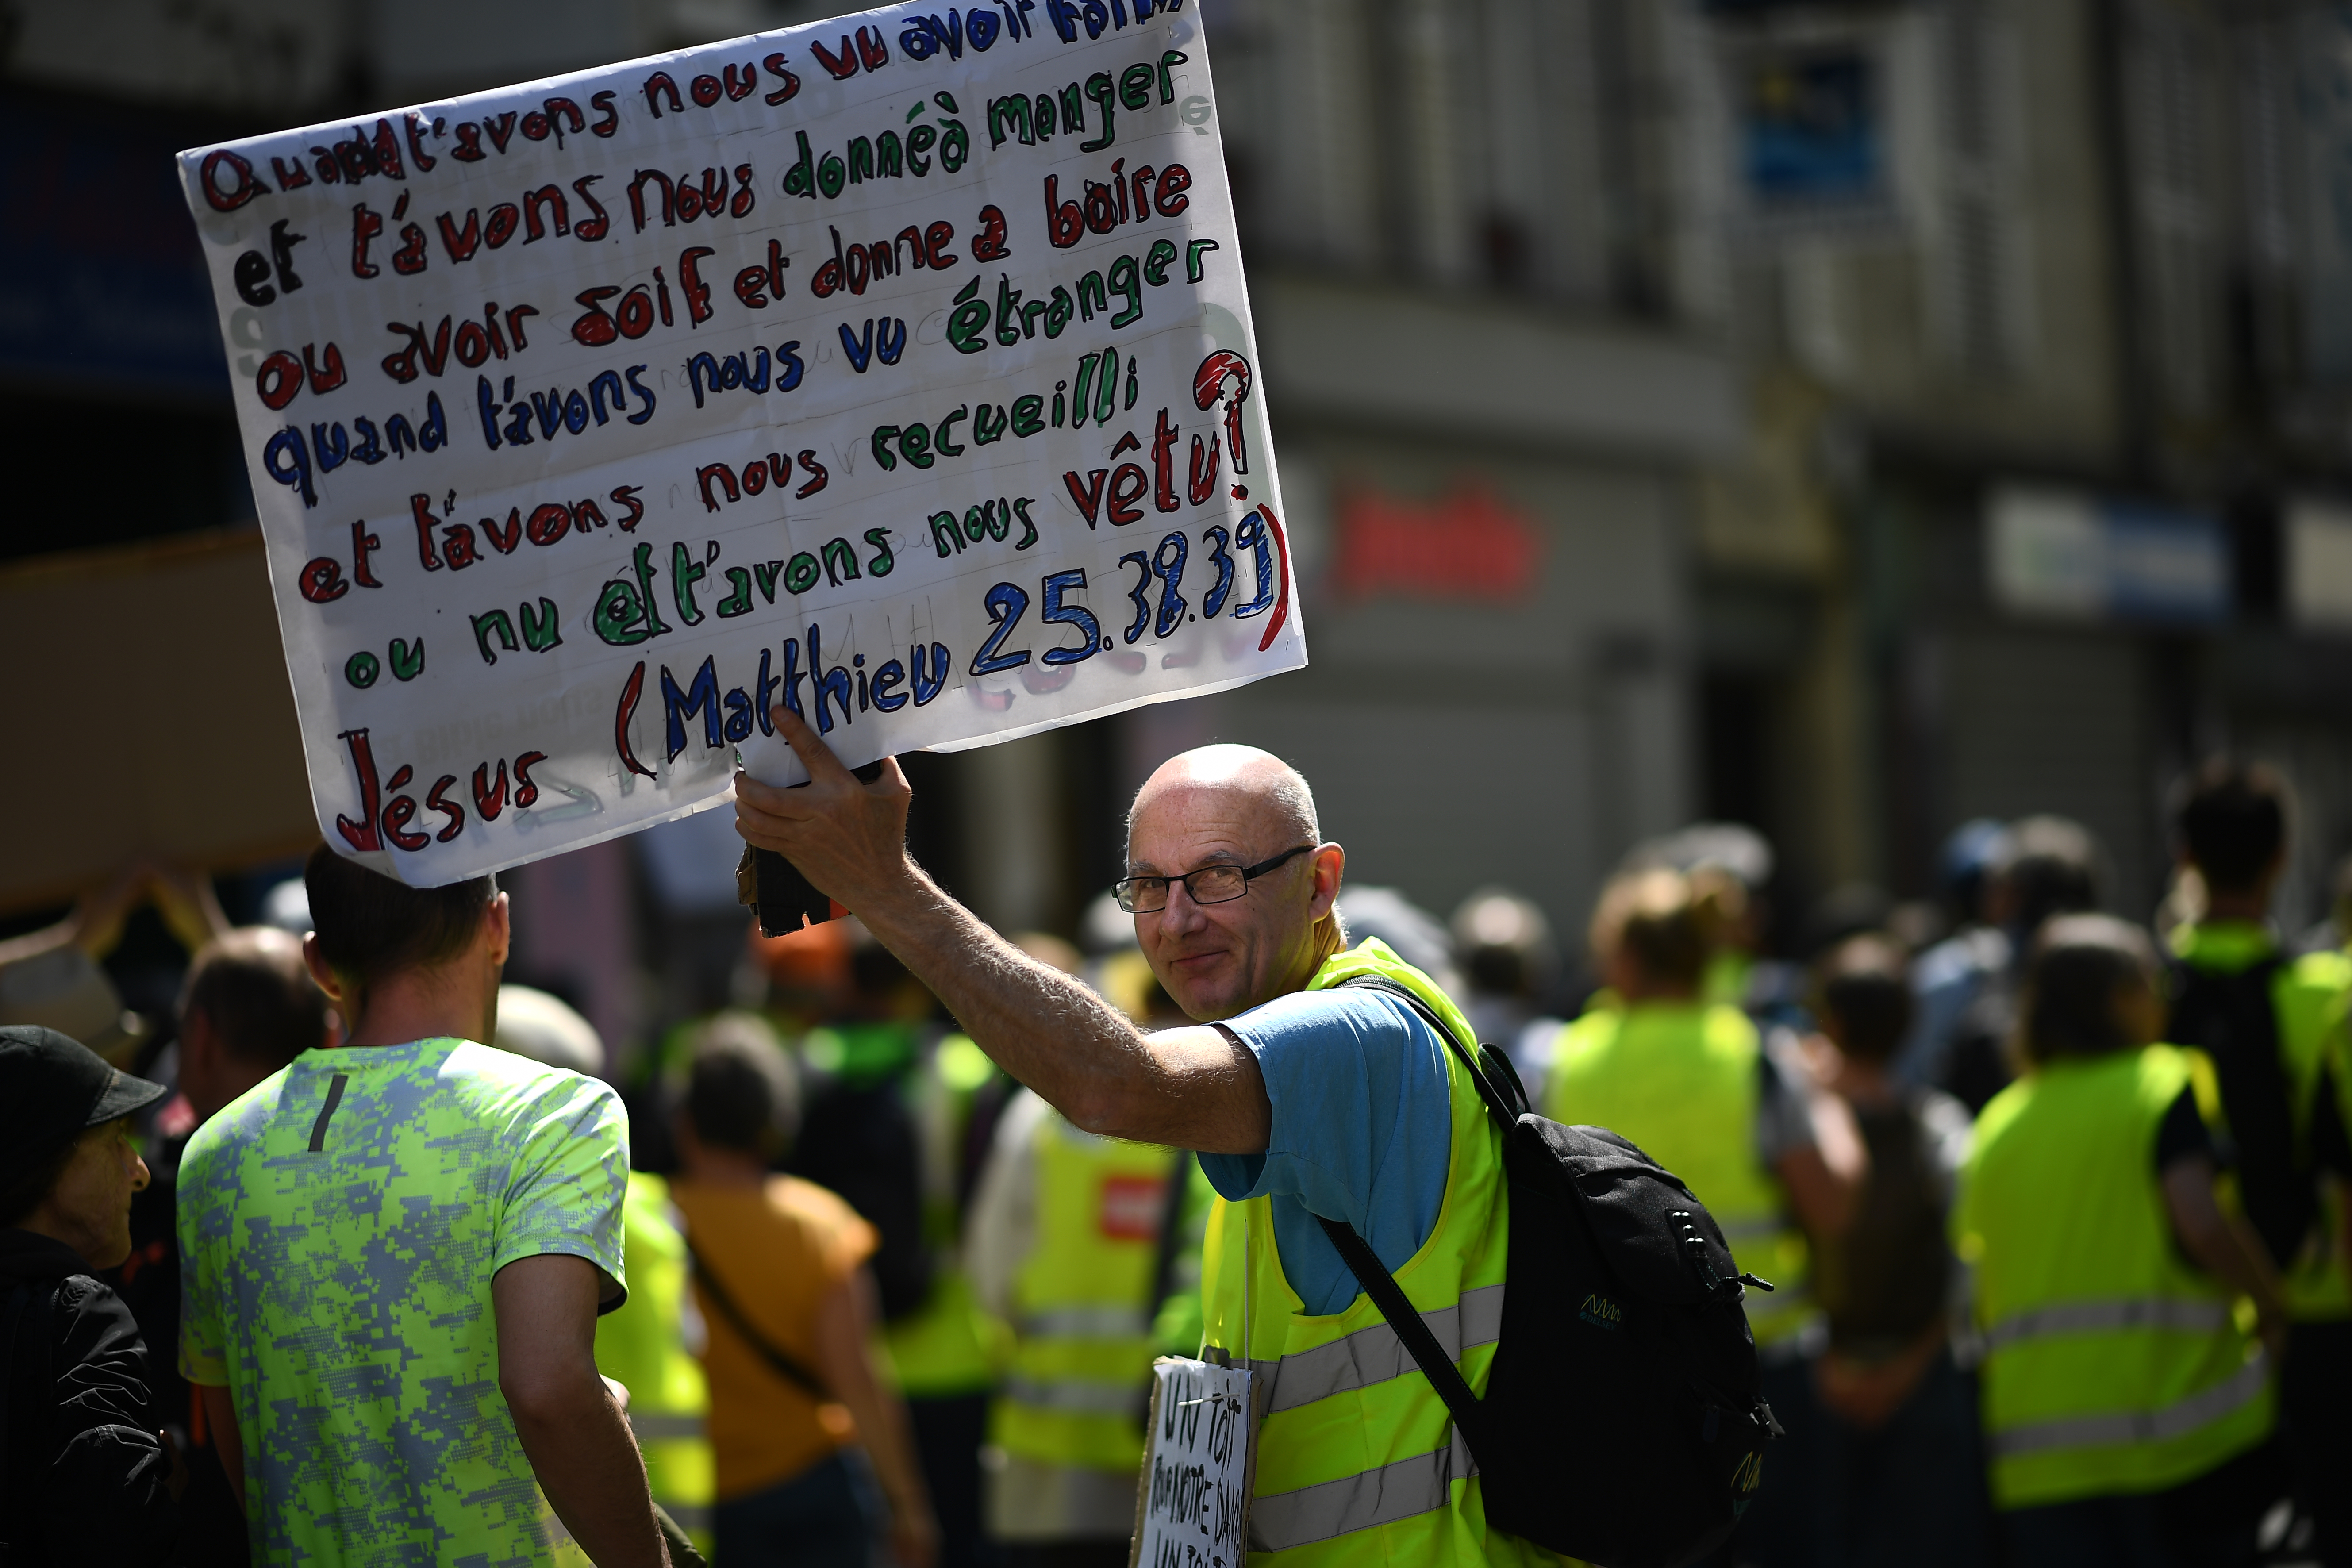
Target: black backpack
{"points": [[860, 1142], [2230, 1018], [1625, 1421]]}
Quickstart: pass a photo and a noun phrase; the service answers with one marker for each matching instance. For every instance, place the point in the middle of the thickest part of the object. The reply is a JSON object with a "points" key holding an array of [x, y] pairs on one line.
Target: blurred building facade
{"points": [[2034, 323], [1845, 418]]}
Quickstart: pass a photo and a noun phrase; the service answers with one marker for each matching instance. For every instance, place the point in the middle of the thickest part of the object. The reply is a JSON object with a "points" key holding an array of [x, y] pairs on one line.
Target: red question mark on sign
{"points": [[1209, 384]]}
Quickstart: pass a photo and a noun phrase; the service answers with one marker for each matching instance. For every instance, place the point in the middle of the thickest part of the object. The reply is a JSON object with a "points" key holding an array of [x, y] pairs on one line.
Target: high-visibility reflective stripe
{"points": [[2176, 1420], [653, 1428], [1375, 1354], [1090, 1398], [1087, 1323], [2173, 1314], [1301, 1517]]}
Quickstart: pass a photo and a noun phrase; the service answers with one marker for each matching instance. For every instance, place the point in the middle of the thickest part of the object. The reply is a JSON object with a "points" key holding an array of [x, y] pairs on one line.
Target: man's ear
{"points": [[1330, 864], [499, 927], [321, 975]]}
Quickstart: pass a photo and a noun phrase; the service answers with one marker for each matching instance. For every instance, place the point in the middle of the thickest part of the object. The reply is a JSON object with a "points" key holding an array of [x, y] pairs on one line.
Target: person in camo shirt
{"points": [[393, 1254]]}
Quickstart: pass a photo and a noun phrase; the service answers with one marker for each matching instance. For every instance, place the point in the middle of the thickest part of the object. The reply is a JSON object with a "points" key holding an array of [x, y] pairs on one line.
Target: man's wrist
{"points": [[901, 898]]}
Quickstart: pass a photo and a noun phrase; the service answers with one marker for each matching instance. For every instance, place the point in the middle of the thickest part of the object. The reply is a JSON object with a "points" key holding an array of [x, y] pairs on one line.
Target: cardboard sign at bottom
{"points": [[1192, 1506]]}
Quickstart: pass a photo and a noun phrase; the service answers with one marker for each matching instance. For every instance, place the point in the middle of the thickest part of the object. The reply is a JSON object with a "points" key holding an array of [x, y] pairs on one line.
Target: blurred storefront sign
{"points": [[2319, 566], [1810, 129], [1465, 544], [1813, 141], [2065, 554]]}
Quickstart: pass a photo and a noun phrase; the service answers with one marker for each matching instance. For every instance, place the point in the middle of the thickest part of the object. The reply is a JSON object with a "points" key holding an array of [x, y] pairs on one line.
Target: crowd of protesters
{"points": [[362, 1258]]}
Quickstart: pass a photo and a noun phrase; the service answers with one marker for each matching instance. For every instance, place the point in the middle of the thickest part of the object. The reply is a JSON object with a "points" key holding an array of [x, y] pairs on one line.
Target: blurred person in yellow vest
{"points": [[1747, 1130], [1126, 980], [1074, 1244], [788, 1306], [2273, 1024], [1065, 1249], [641, 1350], [2127, 1408], [899, 1111], [1728, 864], [643, 1346]]}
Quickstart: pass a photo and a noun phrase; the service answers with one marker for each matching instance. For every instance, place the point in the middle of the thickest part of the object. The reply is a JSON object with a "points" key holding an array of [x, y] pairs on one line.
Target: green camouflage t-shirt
{"points": [[339, 1227]]}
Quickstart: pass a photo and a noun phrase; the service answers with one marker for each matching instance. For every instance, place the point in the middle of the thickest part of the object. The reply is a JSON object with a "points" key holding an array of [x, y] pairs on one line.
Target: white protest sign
{"points": [[1193, 1507], [898, 369]]}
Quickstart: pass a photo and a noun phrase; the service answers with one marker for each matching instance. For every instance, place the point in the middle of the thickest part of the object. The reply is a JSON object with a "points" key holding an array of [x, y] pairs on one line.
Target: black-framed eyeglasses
{"points": [[1208, 885]]}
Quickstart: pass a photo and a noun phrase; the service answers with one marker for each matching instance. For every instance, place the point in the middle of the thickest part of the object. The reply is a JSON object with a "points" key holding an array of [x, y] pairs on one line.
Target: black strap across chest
{"points": [[785, 1365]]}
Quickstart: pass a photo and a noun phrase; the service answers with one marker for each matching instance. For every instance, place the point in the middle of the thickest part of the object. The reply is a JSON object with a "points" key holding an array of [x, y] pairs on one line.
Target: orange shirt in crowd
{"points": [[776, 1251]]}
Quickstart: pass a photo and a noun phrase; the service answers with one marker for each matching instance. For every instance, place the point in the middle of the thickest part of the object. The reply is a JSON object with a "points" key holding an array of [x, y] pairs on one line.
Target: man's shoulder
{"points": [[86, 1296], [499, 1085], [2327, 973], [90, 1319], [222, 1135], [1364, 1012], [805, 1206]]}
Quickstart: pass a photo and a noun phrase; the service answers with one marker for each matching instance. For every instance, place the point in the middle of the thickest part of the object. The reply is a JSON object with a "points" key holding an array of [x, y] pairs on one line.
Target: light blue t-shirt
{"points": [[1362, 1130]]}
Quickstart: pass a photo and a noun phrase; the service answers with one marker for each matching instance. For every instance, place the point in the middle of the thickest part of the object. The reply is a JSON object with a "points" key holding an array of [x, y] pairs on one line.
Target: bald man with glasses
{"points": [[1309, 1094]]}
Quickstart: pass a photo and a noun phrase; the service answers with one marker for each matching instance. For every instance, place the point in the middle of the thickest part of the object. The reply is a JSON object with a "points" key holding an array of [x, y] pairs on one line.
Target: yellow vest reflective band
{"points": [[643, 1347], [2111, 1364], [1081, 1305], [1681, 1080], [1356, 1460]]}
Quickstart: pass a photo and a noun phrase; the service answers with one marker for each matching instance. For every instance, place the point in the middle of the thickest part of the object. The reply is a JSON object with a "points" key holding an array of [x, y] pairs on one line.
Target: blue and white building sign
{"points": [[2069, 555]]}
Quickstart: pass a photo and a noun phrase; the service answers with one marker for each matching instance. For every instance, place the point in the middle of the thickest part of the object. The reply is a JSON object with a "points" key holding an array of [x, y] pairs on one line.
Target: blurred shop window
{"points": [[2319, 566]]}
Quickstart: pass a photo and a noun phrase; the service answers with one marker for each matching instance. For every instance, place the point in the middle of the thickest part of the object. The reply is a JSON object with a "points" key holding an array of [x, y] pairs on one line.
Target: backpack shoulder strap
{"points": [[783, 1363], [1443, 1376], [1506, 1100]]}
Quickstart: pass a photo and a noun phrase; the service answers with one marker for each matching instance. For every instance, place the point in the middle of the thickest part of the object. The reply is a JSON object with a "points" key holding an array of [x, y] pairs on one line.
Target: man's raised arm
{"points": [[1189, 1088]]}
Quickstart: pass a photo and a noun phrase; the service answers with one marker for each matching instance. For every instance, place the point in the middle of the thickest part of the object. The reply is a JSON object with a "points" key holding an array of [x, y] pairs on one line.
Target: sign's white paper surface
{"points": [[897, 368]]}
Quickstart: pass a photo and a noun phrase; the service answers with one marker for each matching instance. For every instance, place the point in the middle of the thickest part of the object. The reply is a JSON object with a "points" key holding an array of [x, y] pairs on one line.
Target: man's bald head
{"points": [[1279, 789], [1235, 806]]}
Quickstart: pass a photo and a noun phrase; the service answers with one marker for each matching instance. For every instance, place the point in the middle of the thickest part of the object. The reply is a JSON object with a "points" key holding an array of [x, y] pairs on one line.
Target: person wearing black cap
{"points": [[84, 1475]]}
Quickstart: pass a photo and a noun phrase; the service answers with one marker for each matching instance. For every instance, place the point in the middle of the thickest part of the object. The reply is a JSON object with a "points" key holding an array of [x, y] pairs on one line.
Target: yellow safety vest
{"points": [[643, 1347], [1357, 1457], [2111, 1365], [1081, 1305], [1682, 1080], [2309, 995], [941, 1350]]}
